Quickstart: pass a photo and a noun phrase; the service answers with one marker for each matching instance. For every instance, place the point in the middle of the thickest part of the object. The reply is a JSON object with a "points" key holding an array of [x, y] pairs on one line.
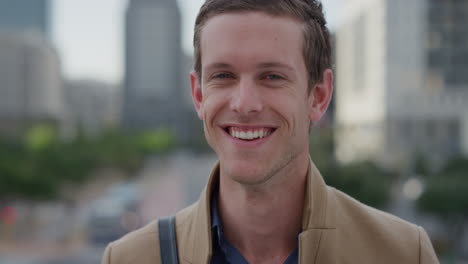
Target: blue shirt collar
{"points": [[216, 225], [223, 251]]}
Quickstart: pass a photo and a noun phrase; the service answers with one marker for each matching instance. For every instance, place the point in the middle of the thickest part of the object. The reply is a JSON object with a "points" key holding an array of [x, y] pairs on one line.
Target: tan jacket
{"points": [[336, 229]]}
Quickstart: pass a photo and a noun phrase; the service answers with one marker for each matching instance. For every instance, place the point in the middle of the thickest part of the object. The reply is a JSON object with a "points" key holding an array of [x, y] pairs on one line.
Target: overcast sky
{"points": [[89, 36]]}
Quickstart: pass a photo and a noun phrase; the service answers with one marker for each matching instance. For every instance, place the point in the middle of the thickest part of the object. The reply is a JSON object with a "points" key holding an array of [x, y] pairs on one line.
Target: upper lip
{"points": [[246, 126]]}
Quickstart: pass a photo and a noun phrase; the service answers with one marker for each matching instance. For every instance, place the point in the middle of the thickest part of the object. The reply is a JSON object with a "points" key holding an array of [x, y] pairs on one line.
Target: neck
{"points": [[263, 222]]}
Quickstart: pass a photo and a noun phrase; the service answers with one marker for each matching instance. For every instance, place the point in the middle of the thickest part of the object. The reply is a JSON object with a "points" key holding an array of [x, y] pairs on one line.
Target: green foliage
{"points": [[421, 167], [114, 149], [364, 181], [37, 167], [40, 136], [156, 141], [457, 166], [446, 196], [321, 145], [20, 174], [446, 192]]}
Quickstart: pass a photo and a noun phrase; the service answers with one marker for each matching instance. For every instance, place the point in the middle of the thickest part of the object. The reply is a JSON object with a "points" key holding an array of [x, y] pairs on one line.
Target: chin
{"points": [[246, 172]]}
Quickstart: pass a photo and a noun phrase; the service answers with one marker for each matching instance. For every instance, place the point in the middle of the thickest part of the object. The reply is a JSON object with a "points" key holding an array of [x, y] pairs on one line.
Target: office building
{"points": [[153, 67], [25, 15], [92, 106], [402, 82], [31, 87]]}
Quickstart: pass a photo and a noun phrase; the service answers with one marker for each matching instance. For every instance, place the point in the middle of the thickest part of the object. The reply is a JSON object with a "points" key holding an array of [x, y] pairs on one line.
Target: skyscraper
{"points": [[30, 68], [31, 89], [153, 70], [448, 42], [402, 82], [25, 15], [92, 105]]}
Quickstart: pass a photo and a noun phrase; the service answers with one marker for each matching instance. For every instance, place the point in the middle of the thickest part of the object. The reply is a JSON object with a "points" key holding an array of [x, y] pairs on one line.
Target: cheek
{"points": [[291, 108], [213, 104]]}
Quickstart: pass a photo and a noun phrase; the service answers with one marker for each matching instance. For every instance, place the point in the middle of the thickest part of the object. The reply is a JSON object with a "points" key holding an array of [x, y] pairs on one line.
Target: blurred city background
{"points": [[98, 135]]}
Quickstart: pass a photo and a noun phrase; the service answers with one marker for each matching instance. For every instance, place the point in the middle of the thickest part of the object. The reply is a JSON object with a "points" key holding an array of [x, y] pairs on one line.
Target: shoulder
{"points": [[367, 230], [142, 245], [353, 212]]}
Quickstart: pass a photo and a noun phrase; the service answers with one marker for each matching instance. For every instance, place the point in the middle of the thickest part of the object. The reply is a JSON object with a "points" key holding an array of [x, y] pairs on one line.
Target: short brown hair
{"points": [[317, 48]]}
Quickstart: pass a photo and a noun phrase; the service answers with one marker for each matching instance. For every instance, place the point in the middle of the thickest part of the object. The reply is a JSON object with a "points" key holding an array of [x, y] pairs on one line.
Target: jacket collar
{"points": [[315, 242]]}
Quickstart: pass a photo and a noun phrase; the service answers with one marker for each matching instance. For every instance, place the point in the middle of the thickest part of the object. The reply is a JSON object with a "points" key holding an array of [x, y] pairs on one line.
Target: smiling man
{"points": [[262, 77]]}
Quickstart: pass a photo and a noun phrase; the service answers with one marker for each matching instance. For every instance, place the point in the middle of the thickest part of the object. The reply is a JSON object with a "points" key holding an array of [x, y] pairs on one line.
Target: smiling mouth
{"points": [[249, 134]]}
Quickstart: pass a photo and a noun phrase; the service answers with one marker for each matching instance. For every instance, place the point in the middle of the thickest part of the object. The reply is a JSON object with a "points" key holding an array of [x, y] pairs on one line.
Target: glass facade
{"points": [[448, 41], [25, 15]]}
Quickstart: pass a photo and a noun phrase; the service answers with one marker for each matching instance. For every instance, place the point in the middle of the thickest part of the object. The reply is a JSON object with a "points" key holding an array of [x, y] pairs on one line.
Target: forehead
{"points": [[252, 37]]}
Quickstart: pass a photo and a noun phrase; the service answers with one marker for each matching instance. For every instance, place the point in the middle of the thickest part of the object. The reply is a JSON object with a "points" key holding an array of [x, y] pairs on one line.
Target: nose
{"points": [[247, 99]]}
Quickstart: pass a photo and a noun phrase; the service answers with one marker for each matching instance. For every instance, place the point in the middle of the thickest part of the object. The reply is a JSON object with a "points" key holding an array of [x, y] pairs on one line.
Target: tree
{"points": [[446, 196], [364, 180], [37, 166]]}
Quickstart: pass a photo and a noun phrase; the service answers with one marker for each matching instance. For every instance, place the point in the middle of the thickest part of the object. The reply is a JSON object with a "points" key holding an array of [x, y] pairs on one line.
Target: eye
{"points": [[273, 77], [222, 75]]}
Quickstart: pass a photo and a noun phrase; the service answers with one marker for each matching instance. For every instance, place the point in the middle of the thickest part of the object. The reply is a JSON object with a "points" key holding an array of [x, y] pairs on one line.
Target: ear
{"points": [[197, 97], [320, 96]]}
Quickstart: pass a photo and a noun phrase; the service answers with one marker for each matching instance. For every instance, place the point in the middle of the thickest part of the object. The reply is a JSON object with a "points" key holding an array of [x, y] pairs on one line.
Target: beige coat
{"points": [[336, 229]]}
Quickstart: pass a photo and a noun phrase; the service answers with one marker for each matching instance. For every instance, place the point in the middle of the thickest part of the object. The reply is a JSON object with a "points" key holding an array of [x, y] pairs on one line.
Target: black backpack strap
{"points": [[168, 240]]}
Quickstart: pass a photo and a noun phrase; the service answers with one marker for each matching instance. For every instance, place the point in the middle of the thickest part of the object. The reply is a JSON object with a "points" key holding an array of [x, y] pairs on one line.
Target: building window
{"points": [[360, 52]]}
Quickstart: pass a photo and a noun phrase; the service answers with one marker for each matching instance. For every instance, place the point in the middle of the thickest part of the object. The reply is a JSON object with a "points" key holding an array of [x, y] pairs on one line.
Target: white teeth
{"points": [[255, 134], [250, 134]]}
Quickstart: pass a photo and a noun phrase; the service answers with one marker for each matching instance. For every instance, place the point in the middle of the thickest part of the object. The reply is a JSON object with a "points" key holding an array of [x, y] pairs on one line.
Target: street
{"points": [[165, 185]]}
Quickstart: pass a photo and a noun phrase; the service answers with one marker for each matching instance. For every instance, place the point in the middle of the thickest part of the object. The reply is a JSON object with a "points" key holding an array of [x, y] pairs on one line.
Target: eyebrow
{"points": [[275, 65], [222, 65]]}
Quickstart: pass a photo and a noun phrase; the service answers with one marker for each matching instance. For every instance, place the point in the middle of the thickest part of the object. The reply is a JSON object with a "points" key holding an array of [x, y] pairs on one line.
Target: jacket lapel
{"points": [[317, 241], [201, 241]]}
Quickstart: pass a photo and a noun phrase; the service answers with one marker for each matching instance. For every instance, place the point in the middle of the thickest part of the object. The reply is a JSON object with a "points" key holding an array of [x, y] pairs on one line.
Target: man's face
{"points": [[252, 94]]}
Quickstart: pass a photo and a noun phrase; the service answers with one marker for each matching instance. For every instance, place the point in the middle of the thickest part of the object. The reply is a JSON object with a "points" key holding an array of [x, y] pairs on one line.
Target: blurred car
{"points": [[115, 213]]}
